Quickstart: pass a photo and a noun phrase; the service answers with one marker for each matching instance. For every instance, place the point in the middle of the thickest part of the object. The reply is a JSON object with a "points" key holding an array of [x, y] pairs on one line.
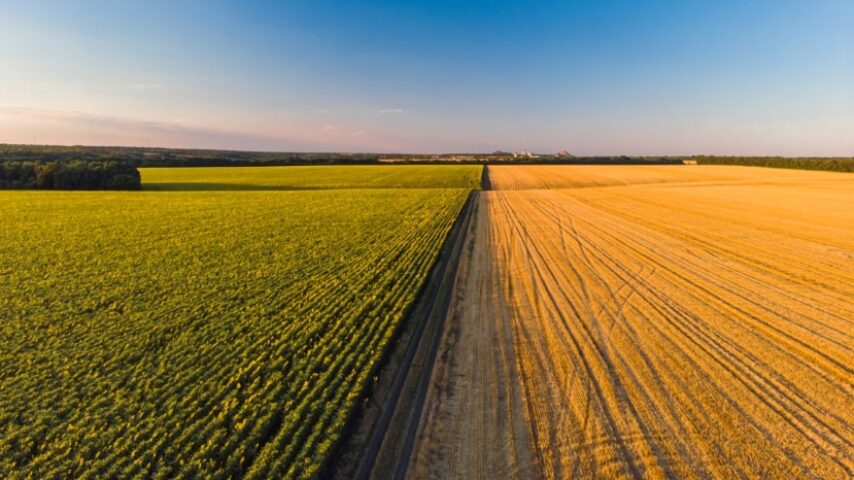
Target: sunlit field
{"points": [[650, 322]]}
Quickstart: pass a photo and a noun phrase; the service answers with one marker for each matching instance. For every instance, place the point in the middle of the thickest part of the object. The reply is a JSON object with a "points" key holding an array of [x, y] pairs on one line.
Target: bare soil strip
{"points": [[695, 326], [386, 433]]}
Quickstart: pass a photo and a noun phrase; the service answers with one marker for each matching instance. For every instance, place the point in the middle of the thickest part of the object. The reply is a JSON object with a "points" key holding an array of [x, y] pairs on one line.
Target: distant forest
{"points": [[95, 168], [839, 164], [69, 175], [169, 157]]}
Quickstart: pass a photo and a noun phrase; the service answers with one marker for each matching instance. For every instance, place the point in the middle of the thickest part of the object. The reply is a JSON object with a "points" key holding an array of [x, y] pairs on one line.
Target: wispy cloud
{"points": [[24, 124], [386, 111]]}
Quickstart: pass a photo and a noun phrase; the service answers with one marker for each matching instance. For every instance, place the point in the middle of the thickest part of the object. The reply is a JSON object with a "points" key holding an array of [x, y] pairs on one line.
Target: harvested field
{"points": [[584, 176], [698, 326]]}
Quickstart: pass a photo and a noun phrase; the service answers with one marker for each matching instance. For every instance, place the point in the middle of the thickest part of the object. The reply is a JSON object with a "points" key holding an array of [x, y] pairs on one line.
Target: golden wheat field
{"points": [[678, 321]]}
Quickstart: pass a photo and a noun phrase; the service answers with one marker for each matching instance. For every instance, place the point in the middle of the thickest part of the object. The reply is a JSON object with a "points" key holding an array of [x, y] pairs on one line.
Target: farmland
{"points": [[626, 322], [562, 177], [302, 178], [200, 332], [604, 322]]}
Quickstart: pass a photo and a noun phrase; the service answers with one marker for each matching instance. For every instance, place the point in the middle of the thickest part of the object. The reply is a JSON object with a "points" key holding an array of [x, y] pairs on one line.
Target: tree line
{"points": [[172, 157], [800, 163], [176, 157], [69, 175]]}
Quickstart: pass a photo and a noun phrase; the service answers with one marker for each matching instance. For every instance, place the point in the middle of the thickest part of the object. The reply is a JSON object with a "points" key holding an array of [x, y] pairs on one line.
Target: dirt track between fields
{"points": [[691, 322]]}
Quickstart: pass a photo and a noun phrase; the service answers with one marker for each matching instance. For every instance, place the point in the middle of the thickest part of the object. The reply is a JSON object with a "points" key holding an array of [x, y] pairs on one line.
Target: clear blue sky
{"points": [[594, 77]]}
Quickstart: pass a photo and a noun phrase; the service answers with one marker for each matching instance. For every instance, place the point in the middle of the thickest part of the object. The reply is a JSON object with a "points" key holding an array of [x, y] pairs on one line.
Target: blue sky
{"points": [[594, 78]]}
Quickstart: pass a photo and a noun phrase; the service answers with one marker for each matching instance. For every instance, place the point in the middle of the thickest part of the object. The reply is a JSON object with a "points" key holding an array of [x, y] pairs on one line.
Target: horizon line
{"points": [[414, 153]]}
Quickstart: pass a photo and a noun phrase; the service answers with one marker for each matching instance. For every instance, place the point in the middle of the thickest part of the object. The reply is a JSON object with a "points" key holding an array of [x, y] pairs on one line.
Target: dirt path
{"points": [[698, 329], [474, 425]]}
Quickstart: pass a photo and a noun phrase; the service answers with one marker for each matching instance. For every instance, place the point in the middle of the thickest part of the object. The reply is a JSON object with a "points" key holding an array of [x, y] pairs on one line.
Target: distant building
{"points": [[563, 154]]}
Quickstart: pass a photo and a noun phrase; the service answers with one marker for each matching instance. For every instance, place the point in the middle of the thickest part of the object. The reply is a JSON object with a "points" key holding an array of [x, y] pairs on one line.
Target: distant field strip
{"points": [[690, 330], [311, 177], [200, 334]]}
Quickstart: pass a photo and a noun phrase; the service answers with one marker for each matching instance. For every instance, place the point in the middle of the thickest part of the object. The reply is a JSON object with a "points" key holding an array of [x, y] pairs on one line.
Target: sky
{"points": [[656, 77]]}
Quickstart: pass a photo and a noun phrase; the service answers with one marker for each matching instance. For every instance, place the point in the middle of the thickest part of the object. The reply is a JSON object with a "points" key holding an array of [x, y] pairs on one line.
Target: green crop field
{"points": [[205, 334], [298, 178]]}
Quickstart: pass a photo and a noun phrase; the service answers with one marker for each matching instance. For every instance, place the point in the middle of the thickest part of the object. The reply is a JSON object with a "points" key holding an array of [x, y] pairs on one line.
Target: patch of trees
{"points": [[800, 163], [69, 175]]}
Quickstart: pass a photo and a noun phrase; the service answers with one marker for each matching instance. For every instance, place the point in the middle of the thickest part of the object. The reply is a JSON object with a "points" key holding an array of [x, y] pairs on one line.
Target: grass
{"points": [[204, 334]]}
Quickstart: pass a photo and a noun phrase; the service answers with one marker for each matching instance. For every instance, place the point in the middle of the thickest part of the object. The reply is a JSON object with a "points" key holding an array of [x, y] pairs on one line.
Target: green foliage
{"points": [[199, 334], [800, 163], [70, 175], [299, 178]]}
